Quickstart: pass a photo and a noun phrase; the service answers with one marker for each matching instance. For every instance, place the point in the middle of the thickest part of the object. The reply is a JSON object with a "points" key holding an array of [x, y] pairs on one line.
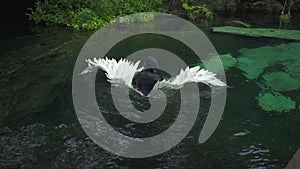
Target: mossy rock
{"points": [[260, 32], [276, 102]]}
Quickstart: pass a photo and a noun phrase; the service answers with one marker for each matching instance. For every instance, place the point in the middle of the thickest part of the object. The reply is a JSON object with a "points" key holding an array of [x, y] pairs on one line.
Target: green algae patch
{"points": [[227, 61], [253, 62], [281, 81], [276, 69], [292, 66], [276, 102], [251, 68], [259, 32]]}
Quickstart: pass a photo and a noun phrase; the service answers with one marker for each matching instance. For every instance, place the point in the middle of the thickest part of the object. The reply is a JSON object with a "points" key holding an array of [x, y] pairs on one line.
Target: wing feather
{"points": [[190, 75], [117, 72], [122, 72]]}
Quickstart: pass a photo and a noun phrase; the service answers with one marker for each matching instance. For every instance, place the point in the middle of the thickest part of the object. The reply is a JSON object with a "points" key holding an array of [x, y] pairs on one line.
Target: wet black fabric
{"points": [[145, 80]]}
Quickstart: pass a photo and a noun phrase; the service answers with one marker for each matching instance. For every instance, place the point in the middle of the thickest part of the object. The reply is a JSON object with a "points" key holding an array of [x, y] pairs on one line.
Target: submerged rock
{"points": [[17, 146], [35, 76]]}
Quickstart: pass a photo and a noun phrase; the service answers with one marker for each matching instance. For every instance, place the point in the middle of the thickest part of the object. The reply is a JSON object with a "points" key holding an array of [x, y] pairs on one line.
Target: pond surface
{"points": [[39, 127]]}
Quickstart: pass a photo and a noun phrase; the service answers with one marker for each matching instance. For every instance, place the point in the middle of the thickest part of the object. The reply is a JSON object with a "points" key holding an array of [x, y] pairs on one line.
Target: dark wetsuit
{"points": [[145, 80]]}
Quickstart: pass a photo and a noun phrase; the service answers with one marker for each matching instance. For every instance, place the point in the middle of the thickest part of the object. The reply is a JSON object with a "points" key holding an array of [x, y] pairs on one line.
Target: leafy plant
{"points": [[85, 18], [140, 17], [88, 14], [198, 11]]}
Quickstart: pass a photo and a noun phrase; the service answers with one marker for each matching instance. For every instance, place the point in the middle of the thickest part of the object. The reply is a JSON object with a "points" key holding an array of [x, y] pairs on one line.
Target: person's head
{"points": [[150, 64], [148, 77]]}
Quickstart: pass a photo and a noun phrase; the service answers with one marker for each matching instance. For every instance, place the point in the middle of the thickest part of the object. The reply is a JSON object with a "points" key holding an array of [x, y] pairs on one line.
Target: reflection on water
{"points": [[39, 128], [258, 156]]}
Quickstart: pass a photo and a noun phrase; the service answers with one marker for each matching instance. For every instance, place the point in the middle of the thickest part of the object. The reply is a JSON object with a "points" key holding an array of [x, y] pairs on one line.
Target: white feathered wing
{"points": [[190, 75], [118, 72], [122, 72]]}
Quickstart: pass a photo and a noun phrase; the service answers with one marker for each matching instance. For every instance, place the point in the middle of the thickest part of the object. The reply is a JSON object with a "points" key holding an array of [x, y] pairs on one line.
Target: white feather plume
{"points": [[190, 75], [117, 72]]}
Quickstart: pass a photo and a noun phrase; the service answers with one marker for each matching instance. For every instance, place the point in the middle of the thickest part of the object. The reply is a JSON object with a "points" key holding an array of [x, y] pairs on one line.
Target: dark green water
{"points": [[39, 127]]}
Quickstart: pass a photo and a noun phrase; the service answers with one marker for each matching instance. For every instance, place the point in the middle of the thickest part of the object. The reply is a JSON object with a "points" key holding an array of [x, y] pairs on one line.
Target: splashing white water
{"points": [[122, 72]]}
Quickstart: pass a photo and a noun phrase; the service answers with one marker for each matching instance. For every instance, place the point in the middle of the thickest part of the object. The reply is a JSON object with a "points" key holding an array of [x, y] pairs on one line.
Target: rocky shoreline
{"points": [[260, 6]]}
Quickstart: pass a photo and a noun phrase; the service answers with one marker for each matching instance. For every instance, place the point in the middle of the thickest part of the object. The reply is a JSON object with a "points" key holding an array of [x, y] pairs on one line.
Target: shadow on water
{"points": [[37, 115]]}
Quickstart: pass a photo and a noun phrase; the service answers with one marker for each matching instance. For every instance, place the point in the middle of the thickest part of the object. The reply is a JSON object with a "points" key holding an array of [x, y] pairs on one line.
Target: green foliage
{"points": [[88, 14], [197, 11], [140, 17], [85, 18]]}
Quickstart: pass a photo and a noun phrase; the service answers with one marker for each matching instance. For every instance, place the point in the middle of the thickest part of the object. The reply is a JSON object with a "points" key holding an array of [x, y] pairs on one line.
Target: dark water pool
{"points": [[39, 127]]}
